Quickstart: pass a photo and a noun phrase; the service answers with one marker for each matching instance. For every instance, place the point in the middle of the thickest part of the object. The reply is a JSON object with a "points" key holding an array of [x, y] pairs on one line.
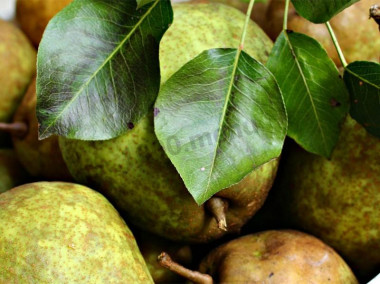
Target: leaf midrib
{"points": [[308, 90], [361, 78], [108, 59], [224, 111]]}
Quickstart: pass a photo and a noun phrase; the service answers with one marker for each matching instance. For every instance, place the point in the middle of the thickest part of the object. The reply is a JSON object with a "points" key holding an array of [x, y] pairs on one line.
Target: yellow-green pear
{"points": [[17, 68], [53, 232], [41, 158]]}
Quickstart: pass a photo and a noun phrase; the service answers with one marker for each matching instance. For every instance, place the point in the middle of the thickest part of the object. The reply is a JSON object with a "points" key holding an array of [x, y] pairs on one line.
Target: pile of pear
{"points": [[65, 204]]}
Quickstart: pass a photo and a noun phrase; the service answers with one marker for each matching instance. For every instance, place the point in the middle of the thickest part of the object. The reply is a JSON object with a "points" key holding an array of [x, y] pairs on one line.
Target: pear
{"points": [[18, 65], [65, 233], [41, 158], [34, 15], [11, 171], [357, 35], [134, 172], [269, 257], [337, 200], [258, 12], [151, 246]]}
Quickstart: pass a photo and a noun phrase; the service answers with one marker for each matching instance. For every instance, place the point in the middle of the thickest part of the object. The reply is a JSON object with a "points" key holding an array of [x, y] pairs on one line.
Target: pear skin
{"points": [[34, 15], [41, 158], [277, 257], [12, 172], [18, 66], [134, 172], [151, 246], [337, 200], [54, 232], [258, 12]]}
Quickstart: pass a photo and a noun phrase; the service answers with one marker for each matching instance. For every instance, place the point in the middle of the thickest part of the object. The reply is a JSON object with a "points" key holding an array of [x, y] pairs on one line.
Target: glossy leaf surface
{"points": [[321, 11], [363, 82], [218, 118], [315, 96], [98, 67]]}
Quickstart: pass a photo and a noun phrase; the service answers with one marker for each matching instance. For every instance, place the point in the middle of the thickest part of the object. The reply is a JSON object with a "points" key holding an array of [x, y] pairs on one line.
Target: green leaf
{"points": [[315, 96], [321, 11], [362, 79], [218, 118], [98, 67], [141, 3]]}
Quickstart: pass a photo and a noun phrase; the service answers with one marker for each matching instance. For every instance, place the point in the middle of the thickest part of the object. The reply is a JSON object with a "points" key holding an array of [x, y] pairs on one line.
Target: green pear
{"points": [[134, 172], [11, 171], [65, 233], [258, 12], [151, 246], [269, 257], [18, 65], [337, 200], [41, 158]]}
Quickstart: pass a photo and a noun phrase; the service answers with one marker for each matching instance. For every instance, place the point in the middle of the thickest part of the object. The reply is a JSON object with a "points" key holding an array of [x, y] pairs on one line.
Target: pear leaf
{"points": [[141, 3], [315, 96], [321, 11], [98, 67], [363, 82], [218, 118]]}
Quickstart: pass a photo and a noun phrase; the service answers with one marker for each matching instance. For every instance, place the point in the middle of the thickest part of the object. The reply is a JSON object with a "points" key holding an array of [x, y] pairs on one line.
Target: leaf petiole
{"points": [[336, 44], [286, 12], [247, 19]]}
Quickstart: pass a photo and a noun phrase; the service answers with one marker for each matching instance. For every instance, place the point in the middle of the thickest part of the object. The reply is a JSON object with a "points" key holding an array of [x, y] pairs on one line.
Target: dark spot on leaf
{"points": [[271, 274], [340, 76], [130, 125], [237, 77], [361, 83], [356, 101], [335, 103], [156, 111], [289, 31]]}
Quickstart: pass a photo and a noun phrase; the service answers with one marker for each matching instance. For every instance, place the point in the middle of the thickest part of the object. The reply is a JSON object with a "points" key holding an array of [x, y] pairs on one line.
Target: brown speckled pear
{"points": [[337, 200], [34, 15], [17, 67], [41, 158], [134, 172], [65, 233], [12, 172], [277, 257], [151, 246], [358, 36]]}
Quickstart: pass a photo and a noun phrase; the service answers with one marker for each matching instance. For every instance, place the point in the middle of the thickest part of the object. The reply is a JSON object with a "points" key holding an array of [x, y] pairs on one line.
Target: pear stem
{"points": [[218, 208], [165, 261], [18, 129]]}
